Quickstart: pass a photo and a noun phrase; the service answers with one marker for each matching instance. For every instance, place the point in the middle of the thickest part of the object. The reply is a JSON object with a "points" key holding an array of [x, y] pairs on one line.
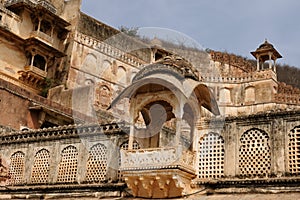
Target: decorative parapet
{"points": [[33, 3], [156, 158], [108, 50], [289, 99], [287, 94], [60, 132], [232, 60], [246, 77]]}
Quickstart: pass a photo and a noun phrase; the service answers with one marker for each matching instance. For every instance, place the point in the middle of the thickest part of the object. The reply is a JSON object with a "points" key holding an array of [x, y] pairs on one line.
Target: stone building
{"points": [[89, 112]]}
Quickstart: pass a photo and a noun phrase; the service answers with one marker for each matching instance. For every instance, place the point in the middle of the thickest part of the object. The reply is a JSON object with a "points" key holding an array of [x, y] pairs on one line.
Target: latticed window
{"points": [[40, 170], [294, 151], [254, 154], [67, 171], [135, 145], [97, 164], [17, 168], [211, 156]]}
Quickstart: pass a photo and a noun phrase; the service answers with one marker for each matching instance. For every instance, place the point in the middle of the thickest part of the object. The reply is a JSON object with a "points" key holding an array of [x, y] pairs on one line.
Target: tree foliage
{"points": [[132, 31]]}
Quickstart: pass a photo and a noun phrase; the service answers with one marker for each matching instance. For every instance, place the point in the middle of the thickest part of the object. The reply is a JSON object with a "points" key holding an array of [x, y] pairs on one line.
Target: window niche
{"points": [[39, 62], [44, 26]]}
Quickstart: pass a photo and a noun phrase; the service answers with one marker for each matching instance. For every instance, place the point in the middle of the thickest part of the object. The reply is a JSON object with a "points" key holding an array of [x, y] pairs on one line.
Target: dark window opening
{"points": [[158, 56], [47, 124], [46, 27], [39, 62]]}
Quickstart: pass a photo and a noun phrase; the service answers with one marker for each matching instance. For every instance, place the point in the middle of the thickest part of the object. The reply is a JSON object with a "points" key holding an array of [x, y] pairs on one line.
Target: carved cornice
{"points": [[61, 132]]}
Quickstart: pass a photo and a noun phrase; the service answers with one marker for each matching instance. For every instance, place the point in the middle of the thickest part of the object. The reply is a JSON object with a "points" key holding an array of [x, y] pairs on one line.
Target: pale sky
{"points": [[235, 26]]}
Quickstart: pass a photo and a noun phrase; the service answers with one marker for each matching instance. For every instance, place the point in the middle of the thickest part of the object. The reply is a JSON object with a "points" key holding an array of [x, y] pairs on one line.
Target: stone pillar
{"points": [[131, 135], [278, 147], [178, 130], [231, 150], [179, 115]]}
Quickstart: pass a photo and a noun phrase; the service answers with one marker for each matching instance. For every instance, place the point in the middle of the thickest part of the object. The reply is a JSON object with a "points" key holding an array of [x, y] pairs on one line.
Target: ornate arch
{"points": [[67, 171], [97, 164], [17, 168], [41, 167]]}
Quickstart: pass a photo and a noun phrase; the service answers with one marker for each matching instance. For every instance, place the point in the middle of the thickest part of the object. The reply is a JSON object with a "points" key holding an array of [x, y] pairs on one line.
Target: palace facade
{"points": [[88, 112]]}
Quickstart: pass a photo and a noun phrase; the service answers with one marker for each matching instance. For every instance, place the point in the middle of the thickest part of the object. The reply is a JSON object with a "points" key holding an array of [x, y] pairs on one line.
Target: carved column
{"points": [[179, 115], [270, 60]]}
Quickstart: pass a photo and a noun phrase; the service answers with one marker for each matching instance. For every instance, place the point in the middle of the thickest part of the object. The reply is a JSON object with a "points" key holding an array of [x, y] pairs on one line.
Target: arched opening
{"points": [[41, 167], [97, 164], [152, 121], [122, 75]]}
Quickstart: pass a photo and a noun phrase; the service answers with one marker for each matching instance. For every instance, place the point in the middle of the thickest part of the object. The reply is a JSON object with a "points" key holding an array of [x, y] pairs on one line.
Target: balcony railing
{"points": [[156, 158], [35, 70], [43, 36]]}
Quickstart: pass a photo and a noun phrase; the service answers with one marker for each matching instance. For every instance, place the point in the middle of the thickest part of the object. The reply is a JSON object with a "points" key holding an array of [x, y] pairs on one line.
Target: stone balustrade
{"points": [[155, 158], [253, 76], [43, 36], [108, 49]]}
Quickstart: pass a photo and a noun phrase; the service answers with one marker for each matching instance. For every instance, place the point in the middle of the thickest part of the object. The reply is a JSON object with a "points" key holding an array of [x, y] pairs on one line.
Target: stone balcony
{"points": [[42, 36], [32, 76], [158, 172]]}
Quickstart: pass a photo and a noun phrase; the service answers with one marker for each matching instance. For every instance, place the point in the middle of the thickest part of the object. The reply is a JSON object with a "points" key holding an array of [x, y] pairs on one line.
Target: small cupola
{"points": [[266, 52]]}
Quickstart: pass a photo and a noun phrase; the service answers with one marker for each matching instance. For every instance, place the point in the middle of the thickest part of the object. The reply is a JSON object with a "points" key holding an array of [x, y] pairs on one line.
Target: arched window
{"points": [[17, 168], [121, 75], [225, 95], [90, 64], [250, 94], [294, 151], [67, 171], [211, 156], [254, 154], [41, 167], [97, 164]]}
